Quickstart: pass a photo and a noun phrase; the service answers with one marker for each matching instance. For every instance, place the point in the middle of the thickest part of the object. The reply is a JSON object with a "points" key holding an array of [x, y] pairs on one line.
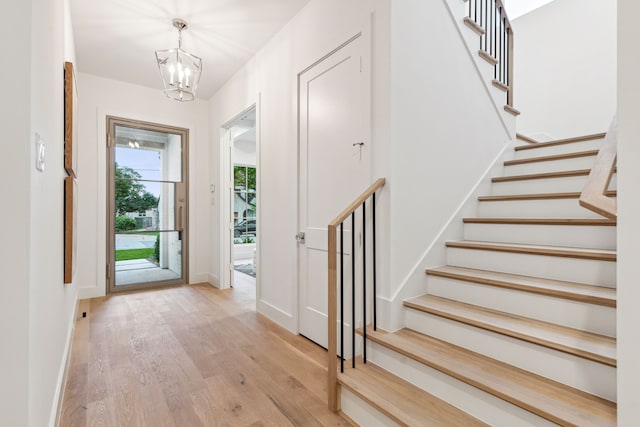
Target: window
{"points": [[244, 205]]}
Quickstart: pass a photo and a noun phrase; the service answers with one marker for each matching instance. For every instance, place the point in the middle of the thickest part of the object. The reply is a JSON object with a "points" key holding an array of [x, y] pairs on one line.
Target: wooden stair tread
{"points": [[537, 196], [552, 158], [400, 400], [526, 139], [544, 175], [595, 254], [472, 24], [549, 399], [498, 84], [560, 142], [511, 110], [492, 60], [598, 348], [543, 221], [599, 295]]}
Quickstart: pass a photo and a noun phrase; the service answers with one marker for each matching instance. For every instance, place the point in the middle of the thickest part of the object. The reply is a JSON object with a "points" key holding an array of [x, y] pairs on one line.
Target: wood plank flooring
{"points": [[191, 356]]}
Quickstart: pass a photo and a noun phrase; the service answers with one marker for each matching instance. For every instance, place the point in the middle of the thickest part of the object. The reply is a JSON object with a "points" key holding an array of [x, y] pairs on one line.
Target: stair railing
{"points": [[594, 196], [497, 39], [336, 253]]}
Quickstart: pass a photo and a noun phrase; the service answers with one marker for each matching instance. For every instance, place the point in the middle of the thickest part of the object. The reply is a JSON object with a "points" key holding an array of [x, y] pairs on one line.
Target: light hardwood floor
{"points": [[191, 356]]}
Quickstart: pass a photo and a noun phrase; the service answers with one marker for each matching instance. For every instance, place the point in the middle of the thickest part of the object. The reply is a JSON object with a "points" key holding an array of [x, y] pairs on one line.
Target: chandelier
{"points": [[179, 69]]}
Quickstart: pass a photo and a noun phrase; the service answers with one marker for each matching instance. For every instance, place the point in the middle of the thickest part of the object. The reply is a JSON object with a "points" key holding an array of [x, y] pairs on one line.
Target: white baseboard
{"points": [[56, 410], [198, 278], [286, 320]]}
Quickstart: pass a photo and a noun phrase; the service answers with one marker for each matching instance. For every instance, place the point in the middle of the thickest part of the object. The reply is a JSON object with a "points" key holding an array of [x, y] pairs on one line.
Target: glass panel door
{"points": [[147, 205]]}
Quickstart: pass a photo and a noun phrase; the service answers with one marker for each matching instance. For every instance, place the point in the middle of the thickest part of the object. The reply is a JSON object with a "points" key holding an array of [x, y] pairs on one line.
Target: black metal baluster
{"points": [[494, 28], [373, 256], [501, 75], [342, 297], [491, 34], [486, 24], [475, 11], [364, 282], [481, 1], [353, 289], [506, 65]]}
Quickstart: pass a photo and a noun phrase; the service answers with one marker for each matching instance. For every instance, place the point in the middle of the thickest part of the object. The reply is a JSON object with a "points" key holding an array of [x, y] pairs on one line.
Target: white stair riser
{"points": [[482, 405], [545, 185], [594, 144], [361, 412], [575, 236], [546, 208], [551, 166], [590, 272], [586, 375], [574, 314]]}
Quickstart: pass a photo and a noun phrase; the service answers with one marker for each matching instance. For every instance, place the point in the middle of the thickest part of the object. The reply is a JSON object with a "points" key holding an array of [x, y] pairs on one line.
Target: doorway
{"points": [[334, 168], [147, 205], [242, 243]]}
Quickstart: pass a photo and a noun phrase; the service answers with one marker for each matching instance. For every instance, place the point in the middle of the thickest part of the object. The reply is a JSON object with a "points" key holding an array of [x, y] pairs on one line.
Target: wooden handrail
{"points": [[357, 202], [332, 309], [594, 195]]}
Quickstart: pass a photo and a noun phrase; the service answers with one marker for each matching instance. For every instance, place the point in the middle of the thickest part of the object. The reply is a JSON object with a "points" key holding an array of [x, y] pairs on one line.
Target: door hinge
{"points": [[300, 237], [109, 140]]}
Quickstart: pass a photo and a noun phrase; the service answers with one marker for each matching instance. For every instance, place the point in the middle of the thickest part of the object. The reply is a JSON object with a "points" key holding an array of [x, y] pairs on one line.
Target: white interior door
{"points": [[334, 170]]}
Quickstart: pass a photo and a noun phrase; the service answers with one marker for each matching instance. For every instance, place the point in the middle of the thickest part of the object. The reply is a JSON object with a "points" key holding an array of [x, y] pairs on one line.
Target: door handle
{"points": [[300, 237], [179, 225]]}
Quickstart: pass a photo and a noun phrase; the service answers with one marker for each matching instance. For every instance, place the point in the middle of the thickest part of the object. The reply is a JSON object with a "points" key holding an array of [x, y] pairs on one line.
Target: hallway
{"points": [[191, 356]]}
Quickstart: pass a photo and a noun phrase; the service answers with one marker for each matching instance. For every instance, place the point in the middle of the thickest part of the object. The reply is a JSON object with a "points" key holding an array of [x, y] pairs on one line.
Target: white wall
{"points": [[36, 307], [52, 304], [565, 68], [271, 77], [99, 97], [16, 201], [446, 132], [628, 214]]}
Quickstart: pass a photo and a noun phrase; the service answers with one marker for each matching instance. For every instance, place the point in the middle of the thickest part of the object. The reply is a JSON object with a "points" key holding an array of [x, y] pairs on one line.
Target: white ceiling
{"points": [[117, 38]]}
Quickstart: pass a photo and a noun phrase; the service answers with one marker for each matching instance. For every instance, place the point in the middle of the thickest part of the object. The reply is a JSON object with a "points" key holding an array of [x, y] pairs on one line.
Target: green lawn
{"points": [[127, 254]]}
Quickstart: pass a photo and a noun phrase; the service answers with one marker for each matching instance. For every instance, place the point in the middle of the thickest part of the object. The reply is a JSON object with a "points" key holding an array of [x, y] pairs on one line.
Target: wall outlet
{"points": [[40, 159]]}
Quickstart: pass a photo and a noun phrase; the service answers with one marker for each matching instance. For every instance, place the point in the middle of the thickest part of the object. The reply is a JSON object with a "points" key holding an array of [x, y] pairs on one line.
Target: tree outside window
{"points": [[244, 183]]}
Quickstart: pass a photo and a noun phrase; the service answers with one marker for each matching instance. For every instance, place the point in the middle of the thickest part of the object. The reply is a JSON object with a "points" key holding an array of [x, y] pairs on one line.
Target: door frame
{"points": [[364, 35], [111, 123], [226, 202]]}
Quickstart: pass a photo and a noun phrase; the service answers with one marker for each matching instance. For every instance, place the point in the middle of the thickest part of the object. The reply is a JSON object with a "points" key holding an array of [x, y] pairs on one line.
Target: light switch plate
{"points": [[39, 153]]}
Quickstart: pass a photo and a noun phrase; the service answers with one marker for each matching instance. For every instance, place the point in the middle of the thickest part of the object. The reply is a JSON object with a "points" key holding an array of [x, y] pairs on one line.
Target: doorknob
{"points": [[300, 237]]}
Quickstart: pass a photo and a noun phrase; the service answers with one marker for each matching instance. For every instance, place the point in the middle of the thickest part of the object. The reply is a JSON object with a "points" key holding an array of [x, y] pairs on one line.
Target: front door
{"points": [[334, 161], [147, 205]]}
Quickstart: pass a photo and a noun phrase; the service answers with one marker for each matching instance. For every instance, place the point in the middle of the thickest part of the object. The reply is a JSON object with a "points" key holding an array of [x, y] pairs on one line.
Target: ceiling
{"points": [[117, 38]]}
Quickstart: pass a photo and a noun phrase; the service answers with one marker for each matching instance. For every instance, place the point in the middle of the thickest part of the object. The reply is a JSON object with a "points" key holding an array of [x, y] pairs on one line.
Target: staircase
{"points": [[518, 329]]}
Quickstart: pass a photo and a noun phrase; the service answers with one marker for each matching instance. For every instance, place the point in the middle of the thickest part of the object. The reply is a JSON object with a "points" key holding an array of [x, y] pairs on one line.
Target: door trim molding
{"points": [[225, 201]]}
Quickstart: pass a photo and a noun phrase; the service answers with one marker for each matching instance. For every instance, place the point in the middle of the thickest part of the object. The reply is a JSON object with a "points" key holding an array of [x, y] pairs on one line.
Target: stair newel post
{"points": [[332, 385], [364, 282]]}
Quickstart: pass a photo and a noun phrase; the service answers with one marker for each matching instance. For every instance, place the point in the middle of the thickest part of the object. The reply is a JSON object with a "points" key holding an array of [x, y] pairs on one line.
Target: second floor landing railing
{"points": [[496, 40]]}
